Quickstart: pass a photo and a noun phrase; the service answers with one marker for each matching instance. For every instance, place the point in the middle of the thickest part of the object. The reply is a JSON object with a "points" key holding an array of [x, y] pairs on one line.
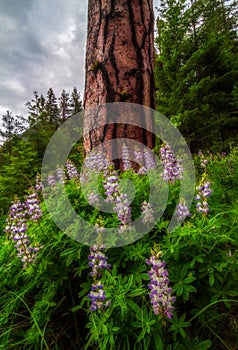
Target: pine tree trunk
{"points": [[119, 66]]}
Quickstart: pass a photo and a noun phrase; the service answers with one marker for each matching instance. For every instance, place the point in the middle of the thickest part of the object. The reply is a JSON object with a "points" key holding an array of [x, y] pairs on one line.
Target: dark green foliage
{"points": [[75, 102], [46, 305], [8, 132], [64, 106], [8, 126], [26, 138], [197, 71], [52, 109], [17, 174], [46, 115]]}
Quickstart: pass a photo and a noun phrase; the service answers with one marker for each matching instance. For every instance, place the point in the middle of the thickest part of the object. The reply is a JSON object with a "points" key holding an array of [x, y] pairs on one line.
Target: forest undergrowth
{"points": [[167, 290]]}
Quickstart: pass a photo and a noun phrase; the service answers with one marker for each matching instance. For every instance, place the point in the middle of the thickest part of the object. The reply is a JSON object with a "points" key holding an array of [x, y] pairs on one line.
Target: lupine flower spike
{"points": [[147, 213], [93, 199], [123, 208], [98, 262], [146, 159], [139, 159], [172, 166], [71, 170], [139, 155], [204, 192], [51, 180], [126, 158], [32, 205], [38, 183], [182, 211], [203, 161], [149, 159], [16, 229], [160, 292], [60, 174], [111, 185], [96, 162]]}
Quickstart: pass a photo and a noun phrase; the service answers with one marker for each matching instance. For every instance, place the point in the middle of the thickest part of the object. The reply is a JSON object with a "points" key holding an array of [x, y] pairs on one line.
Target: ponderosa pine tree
{"points": [[119, 66]]}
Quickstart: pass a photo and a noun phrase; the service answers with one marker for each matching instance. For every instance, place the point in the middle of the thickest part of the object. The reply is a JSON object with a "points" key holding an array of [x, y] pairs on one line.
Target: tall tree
{"points": [[42, 120], [196, 72], [64, 106], [36, 125], [8, 131], [52, 108], [119, 66], [75, 102]]}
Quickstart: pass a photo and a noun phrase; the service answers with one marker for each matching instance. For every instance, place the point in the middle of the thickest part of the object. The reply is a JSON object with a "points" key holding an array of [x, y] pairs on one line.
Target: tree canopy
{"points": [[197, 70]]}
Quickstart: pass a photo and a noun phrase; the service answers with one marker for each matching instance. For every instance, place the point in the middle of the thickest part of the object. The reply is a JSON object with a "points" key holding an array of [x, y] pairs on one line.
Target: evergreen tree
{"points": [[16, 176], [38, 126], [198, 97], [64, 105], [36, 107], [171, 28], [75, 102], [8, 131], [52, 108]]}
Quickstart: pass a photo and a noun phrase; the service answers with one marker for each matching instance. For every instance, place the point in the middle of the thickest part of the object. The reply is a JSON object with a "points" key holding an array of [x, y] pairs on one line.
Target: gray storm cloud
{"points": [[42, 45]]}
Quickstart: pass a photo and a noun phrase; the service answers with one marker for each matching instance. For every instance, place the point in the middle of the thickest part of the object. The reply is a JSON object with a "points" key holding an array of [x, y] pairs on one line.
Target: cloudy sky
{"points": [[42, 45]]}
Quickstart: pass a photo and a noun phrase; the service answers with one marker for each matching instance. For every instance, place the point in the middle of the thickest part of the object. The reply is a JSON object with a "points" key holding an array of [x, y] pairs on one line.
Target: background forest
{"points": [[45, 304]]}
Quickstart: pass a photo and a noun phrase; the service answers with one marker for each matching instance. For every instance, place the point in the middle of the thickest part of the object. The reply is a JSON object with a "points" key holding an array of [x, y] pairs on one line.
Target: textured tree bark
{"points": [[119, 67]]}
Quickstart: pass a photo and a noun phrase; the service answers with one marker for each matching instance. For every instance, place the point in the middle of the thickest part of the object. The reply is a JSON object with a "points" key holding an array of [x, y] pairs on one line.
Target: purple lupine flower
{"points": [[145, 158], [160, 292], [126, 228], [204, 192], [60, 175], [93, 198], [203, 161], [139, 155], [32, 205], [147, 213], [172, 167], [17, 211], [123, 208], [98, 297], [111, 185], [38, 183], [126, 158], [149, 159], [140, 160], [96, 162], [16, 229], [51, 180], [98, 262], [71, 169], [182, 211], [142, 171]]}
